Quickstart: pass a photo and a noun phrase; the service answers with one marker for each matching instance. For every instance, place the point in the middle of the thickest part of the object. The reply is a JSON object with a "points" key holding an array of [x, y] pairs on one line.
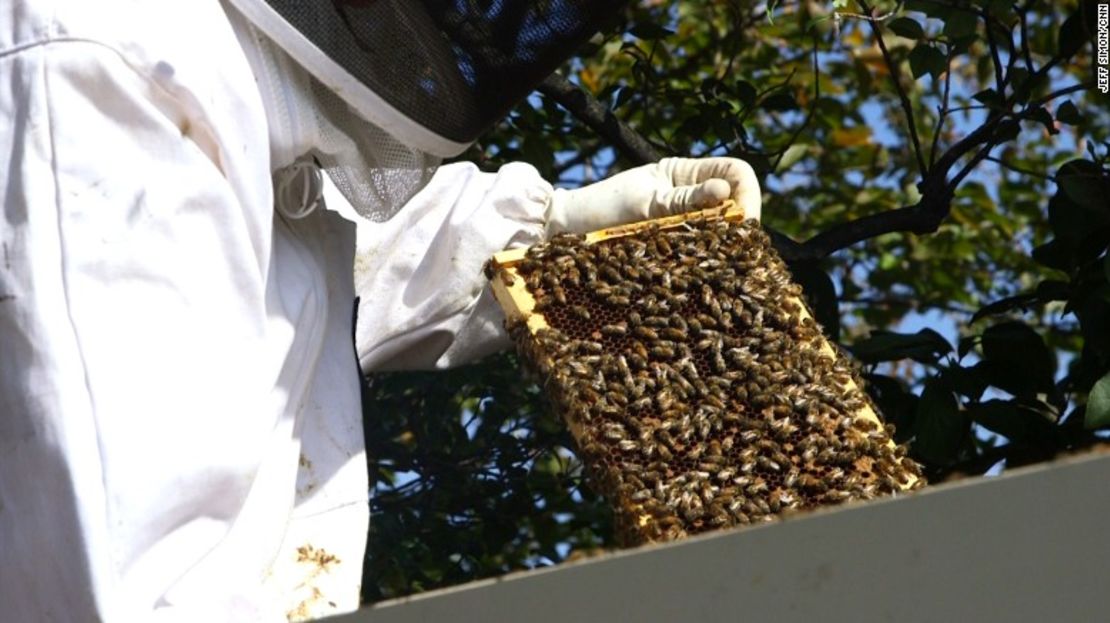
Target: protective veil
{"points": [[427, 78]]}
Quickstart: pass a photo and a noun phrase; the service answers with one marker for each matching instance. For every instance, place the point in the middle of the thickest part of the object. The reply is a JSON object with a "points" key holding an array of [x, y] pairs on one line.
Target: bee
{"points": [[543, 302], [811, 483], [706, 321], [663, 246], [610, 273], [662, 352], [615, 330], [673, 334], [593, 348], [617, 398]]}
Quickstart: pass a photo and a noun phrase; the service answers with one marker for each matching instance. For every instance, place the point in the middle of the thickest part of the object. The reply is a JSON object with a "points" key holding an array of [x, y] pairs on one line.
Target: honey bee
{"points": [[615, 330], [662, 352]]}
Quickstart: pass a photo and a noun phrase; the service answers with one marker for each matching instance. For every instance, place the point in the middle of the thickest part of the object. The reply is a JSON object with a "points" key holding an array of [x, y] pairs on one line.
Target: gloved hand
{"points": [[670, 186]]}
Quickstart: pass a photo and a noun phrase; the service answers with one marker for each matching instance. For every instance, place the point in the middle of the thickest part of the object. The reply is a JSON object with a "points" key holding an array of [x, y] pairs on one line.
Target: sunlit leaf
{"points": [[1098, 404], [851, 137], [791, 156]]}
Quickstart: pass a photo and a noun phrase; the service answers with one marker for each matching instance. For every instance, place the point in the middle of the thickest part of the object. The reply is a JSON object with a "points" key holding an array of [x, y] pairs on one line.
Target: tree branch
{"points": [[1017, 169], [996, 60], [924, 217], [599, 118], [896, 75], [1025, 39], [936, 189], [942, 110], [1082, 86]]}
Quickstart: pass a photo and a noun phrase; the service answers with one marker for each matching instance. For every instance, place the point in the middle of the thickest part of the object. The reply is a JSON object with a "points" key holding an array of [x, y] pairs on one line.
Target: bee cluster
{"points": [[700, 391]]}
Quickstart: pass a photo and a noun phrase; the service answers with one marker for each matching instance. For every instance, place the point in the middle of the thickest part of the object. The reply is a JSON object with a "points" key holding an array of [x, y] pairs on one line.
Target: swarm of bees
{"points": [[698, 387]]}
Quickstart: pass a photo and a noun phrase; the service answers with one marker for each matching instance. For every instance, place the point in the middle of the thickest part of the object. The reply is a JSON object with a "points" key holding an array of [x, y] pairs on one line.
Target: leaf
{"points": [[1006, 131], [966, 344], [925, 59], [1067, 219], [780, 101], [1068, 113], [966, 381], [1054, 254], [990, 97], [1073, 35], [896, 403], [1084, 183], [932, 8], [588, 79], [851, 137], [1001, 306], [906, 27], [1053, 290], [940, 426], [746, 93], [649, 31], [1046, 291], [1042, 116], [960, 24], [1098, 404], [925, 346], [1014, 420], [791, 156], [1020, 363]]}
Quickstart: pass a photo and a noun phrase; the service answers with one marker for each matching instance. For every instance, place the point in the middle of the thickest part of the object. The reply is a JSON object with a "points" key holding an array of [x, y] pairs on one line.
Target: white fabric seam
{"points": [[65, 282]]}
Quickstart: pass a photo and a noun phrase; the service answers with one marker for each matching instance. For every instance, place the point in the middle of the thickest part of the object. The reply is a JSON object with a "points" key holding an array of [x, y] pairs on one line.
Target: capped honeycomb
{"points": [[698, 387]]}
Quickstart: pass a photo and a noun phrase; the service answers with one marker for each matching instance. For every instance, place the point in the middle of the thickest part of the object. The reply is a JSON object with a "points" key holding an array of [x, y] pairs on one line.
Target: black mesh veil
{"points": [[452, 66]]}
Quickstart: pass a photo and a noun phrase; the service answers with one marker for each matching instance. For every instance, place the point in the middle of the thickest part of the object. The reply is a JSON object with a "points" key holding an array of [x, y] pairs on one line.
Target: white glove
{"points": [[670, 186]]}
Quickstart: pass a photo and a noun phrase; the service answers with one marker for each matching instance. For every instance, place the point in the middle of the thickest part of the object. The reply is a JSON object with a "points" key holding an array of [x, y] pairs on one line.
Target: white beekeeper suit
{"points": [[180, 428]]}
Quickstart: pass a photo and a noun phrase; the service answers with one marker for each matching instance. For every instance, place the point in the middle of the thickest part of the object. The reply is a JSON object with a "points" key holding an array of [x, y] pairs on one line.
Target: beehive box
{"points": [[694, 380]]}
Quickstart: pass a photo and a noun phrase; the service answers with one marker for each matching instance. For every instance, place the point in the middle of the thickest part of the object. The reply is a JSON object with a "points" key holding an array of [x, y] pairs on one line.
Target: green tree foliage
{"points": [[930, 167]]}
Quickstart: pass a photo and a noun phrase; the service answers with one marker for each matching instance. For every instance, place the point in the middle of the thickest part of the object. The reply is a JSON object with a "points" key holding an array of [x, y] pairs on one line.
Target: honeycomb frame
{"points": [[636, 522]]}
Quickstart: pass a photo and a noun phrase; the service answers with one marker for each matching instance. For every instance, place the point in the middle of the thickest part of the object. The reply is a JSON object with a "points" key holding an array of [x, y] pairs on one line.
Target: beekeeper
{"points": [[180, 427]]}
